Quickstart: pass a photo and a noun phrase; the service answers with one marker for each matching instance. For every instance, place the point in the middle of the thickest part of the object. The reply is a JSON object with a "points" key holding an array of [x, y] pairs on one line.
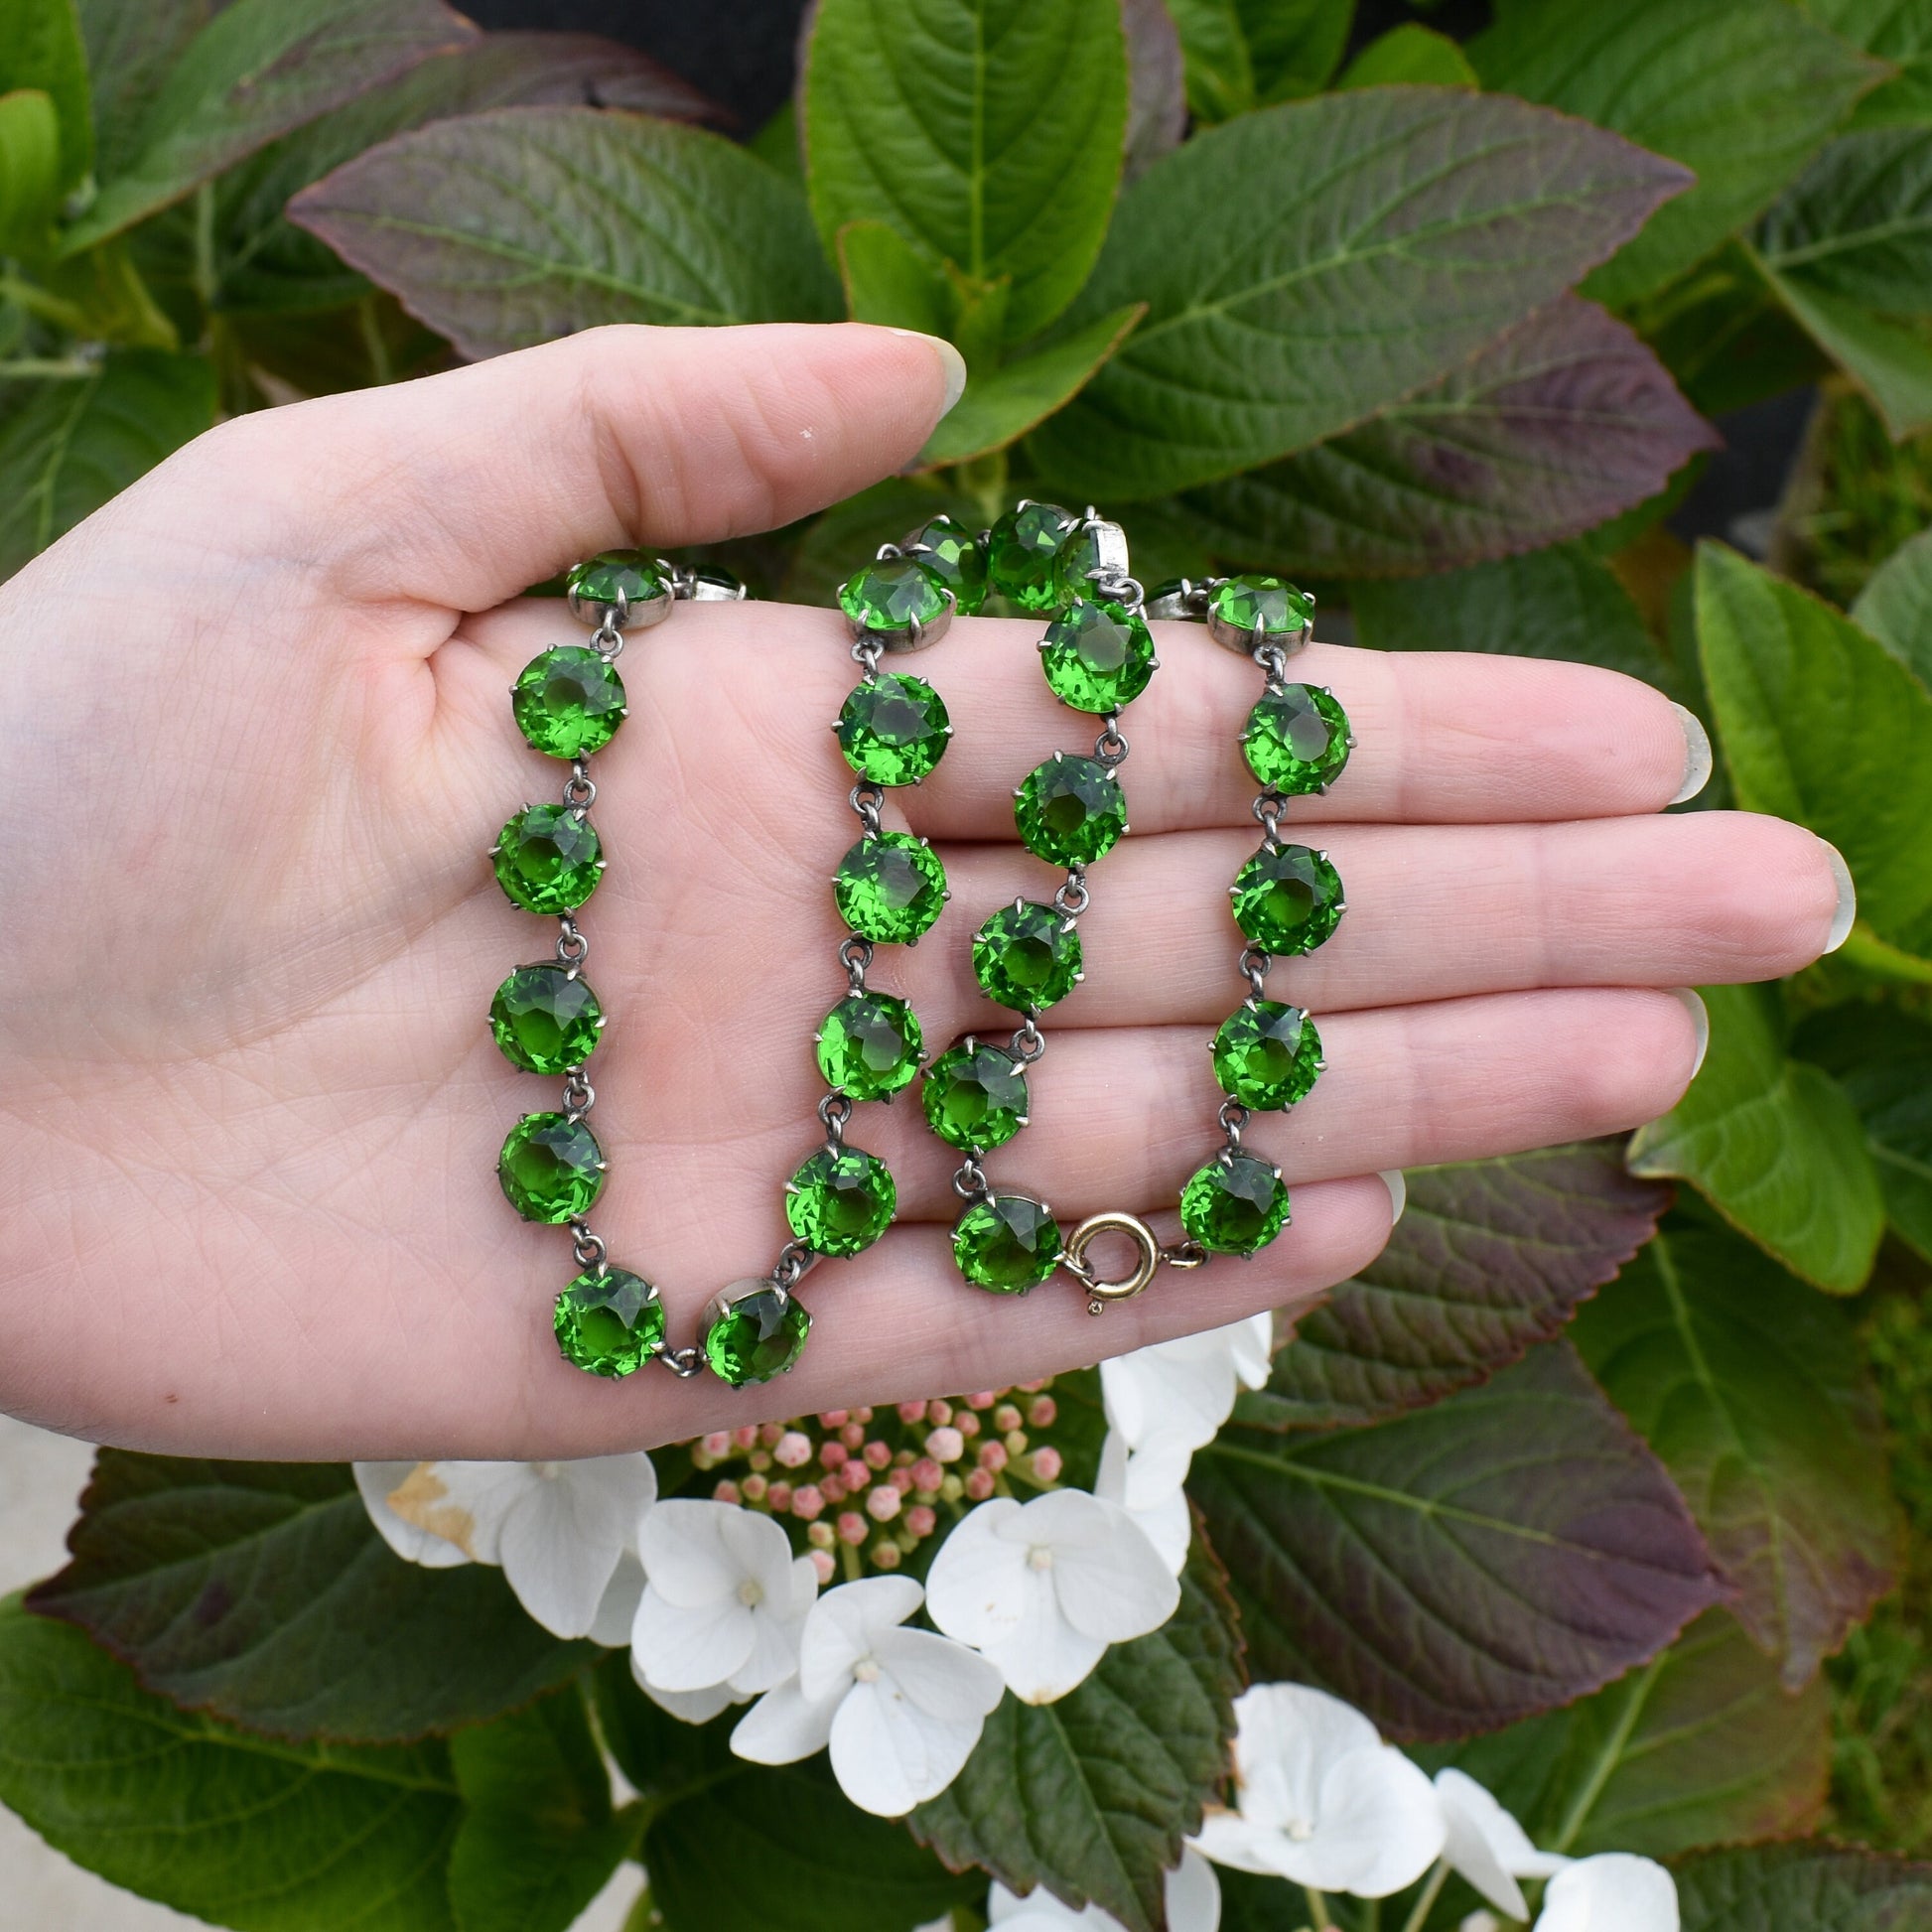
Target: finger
{"points": [[1121, 1118]]}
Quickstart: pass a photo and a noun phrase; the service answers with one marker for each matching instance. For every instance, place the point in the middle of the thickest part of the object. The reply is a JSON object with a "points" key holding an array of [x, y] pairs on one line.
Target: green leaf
{"points": [[1895, 606], [1461, 1566], [1558, 424], [524, 223], [258, 69], [1858, 222], [41, 52], [132, 46], [989, 132], [1899, 31], [776, 142], [1309, 264], [1410, 54], [1489, 1258], [30, 165], [1003, 404], [1750, 1388], [1819, 722], [72, 445], [236, 1828], [1294, 45], [1220, 77], [1742, 91], [1091, 1796], [1890, 361], [261, 1592], [1806, 1887], [1701, 1744], [1564, 601], [1773, 1144], [890, 280], [539, 1839]]}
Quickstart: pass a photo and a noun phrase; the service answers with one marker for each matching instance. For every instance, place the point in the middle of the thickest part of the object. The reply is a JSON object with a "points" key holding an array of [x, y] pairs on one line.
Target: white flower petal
{"points": [[773, 1655], [1487, 1846], [1230, 1839], [685, 1555], [1157, 1469], [784, 1726], [1380, 1825], [1043, 1657], [1063, 1519], [468, 1502], [1117, 1588], [1288, 1735], [1169, 1524], [844, 1625], [760, 1550], [889, 1756], [1251, 1348], [1481, 1922], [610, 1494], [978, 1587], [690, 1646], [692, 1707], [411, 1542], [944, 1679], [1193, 1895], [558, 1572], [1186, 1386], [618, 1613], [1615, 1892]]}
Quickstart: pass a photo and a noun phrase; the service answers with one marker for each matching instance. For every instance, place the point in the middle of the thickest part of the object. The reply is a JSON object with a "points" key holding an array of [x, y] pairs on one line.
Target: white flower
{"points": [[724, 1602], [902, 1709], [1614, 1891], [693, 1707], [1487, 1846], [1193, 1904], [1184, 1390], [1323, 1800], [1043, 1588], [558, 1529], [1164, 1516]]}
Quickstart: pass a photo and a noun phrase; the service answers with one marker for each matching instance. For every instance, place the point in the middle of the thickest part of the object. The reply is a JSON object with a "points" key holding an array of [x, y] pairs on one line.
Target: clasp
{"points": [[1148, 1257]]}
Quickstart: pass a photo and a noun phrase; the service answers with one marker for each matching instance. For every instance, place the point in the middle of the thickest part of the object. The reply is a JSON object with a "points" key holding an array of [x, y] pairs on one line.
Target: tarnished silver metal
{"points": [[795, 1260], [580, 789], [579, 1095], [911, 635], [969, 1179], [1109, 564], [1254, 969], [688, 584], [855, 955], [1028, 1045], [607, 640], [1189, 602], [833, 1112], [1110, 747], [588, 1247], [683, 1362], [1102, 1292], [572, 948], [867, 800], [1073, 897], [1270, 808], [1252, 641], [624, 615], [1234, 1119], [1272, 660]]}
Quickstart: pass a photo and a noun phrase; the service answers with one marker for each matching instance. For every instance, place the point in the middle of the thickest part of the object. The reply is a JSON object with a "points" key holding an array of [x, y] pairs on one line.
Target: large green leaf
{"points": [[1822, 725], [1091, 1796], [258, 69], [1897, 31], [1220, 77], [1806, 1887], [1461, 1566], [1489, 1258], [1409, 56], [1558, 424], [1858, 222], [1895, 606], [41, 49], [1742, 91], [73, 444], [517, 226], [991, 132], [1309, 264], [1773, 1144], [236, 1828], [1749, 1387], [1294, 45], [261, 1592], [132, 46], [1890, 360]]}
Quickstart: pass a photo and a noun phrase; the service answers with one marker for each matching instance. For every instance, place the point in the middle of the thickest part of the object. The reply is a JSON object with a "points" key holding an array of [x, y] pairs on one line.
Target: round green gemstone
{"points": [[713, 584], [1296, 739], [551, 1168], [1070, 811], [1267, 1054], [889, 593], [568, 702], [956, 557], [841, 1201], [1021, 551], [870, 1046], [604, 577], [1280, 608], [975, 1096], [758, 1335], [1098, 656], [893, 728], [1235, 1206], [548, 859], [1288, 898], [890, 889], [1007, 1243], [545, 1019], [610, 1323], [1026, 957]]}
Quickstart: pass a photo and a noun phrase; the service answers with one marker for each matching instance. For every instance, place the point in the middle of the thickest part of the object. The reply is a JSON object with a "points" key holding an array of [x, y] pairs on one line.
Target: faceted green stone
{"points": [[1280, 608], [1074, 567], [1026, 957], [956, 557], [551, 1168], [1286, 899], [546, 1018], [1296, 739], [1070, 811], [893, 728], [840, 1203], [761, 1334], [1021, 551], [568, 702], [1267, 1054], [890, 889], [1234, 1206], [1007, 1244], [610, 1323], [713, 584], [975, 1096], [870, 1046], [890, 592], [548, 859], [1098, 656], [631, 571]]}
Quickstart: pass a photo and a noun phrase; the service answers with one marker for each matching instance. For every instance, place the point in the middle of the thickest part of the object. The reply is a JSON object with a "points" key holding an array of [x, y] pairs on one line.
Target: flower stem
{"points": [[48, 368], [37, 302], [1430, 1893], [1319, 1910]]}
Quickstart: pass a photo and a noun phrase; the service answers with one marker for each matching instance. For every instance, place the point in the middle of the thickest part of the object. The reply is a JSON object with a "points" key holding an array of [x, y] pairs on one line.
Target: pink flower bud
{"points": [[832, 1419], [1048, 1464], [826, 1568], [830, 1487], [879, 1456], [992, 1455], [759, 1459], [862, 1415], [1016, 1441], [793, 1450], [778, 1496], [770, 1433], [901, 1480], [979, 1484], [945, 1444], [725, 1492], [967, 1422], [912, 1411], [747, 1435], [881, 1505], [1034, 1388], [928, 1475], [754, 1487], [1042, 1410], [718, 1442], [852, 1527], [1006, 1419], [833, 1455], [885, 1557], [853, 1436], [984, 1400], [808, 1502], [821, 1536], [920, 1520], [938, 1413]]}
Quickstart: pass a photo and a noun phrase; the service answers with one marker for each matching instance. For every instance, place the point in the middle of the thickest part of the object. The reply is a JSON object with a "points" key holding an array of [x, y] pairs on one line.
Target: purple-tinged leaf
{"points": [[1157, 84]]}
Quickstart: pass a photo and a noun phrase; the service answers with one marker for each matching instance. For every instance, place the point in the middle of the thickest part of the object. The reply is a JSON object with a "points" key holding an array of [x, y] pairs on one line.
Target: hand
{"points": [[259, 739]]}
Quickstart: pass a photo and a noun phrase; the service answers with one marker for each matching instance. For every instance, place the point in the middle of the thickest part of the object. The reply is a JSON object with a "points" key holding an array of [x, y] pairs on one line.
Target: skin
{"points": [[259, 741]]}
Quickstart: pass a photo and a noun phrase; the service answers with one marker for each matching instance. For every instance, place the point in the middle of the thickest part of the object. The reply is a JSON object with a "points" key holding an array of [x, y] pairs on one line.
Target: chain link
{"points": [[607, 638], [969, 1180], [1110, 748], [834, 1111], [855, 955], [579, 1095], [1233, 1118], [684, 1362], [1254, 969], [589, 1247], [580, 791], [1270, 808], [795, 1260], [572, 948], [1028, 1044], [869, 801], [1074, 898]]}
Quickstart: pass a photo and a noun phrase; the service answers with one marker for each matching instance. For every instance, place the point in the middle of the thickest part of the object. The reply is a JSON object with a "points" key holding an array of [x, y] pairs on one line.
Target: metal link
{"points": [[1270, 808], [1254, 967], [867, 651], [572, 948], [1233, 1118], [579, 1095], [1273, 664], [589, 1247], [1185, 1254], [1110, 748], [795, 1260], [683, 1362], [969, 1180], [835, 1110], [1028, 1044], [607, 638], [855, 955], [1074, 898], [1128, 592], [580, 789], [867, 800]]}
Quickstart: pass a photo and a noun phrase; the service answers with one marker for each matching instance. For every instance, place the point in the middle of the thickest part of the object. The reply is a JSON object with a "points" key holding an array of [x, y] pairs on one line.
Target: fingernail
{"points": [[1697, 755], [1398, 1192], [1700, 1019], [1848, 901], [950, 360]]}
